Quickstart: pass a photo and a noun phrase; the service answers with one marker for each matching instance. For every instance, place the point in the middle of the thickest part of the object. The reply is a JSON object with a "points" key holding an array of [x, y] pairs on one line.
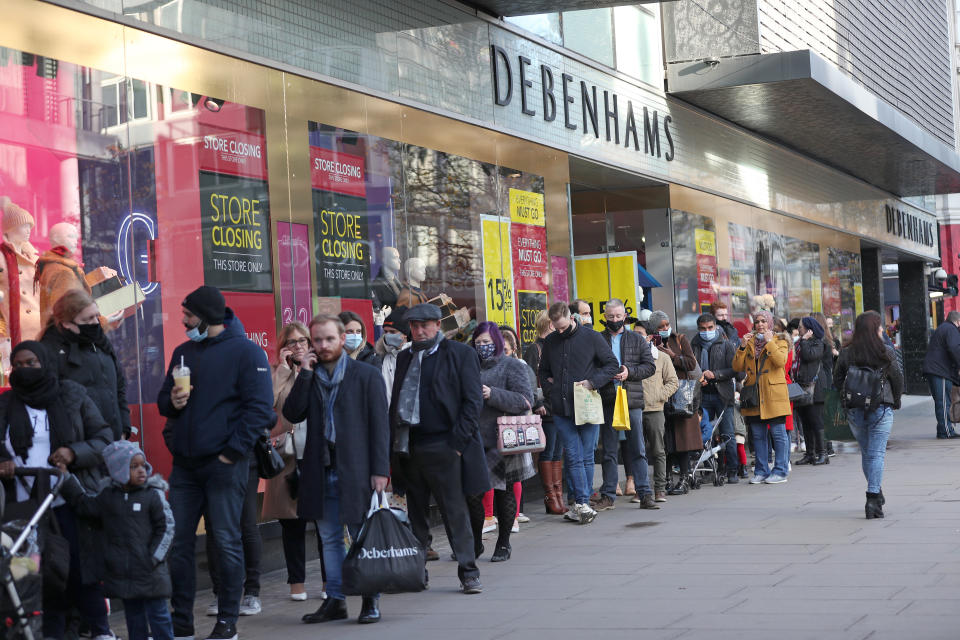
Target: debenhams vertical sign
{"points": [[602, 112]]}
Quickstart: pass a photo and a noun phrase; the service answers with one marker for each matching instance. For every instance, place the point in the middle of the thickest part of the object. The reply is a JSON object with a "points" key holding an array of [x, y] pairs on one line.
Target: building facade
{"points": [[312, 157]]}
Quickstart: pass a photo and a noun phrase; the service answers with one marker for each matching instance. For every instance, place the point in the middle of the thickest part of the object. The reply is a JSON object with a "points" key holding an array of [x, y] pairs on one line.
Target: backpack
{"points": [[862, 388]]}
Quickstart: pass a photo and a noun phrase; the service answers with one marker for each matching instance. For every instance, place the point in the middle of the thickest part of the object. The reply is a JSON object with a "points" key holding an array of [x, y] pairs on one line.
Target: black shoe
{"points": [[732, 478], [873, 508], [501, 553], [679, 489], [830, 451], [432, 555], [806, 459], [471, 585], [822, 459], [183, 632], [369, 611], [331, 609], [742, 471], [883, 500], [223, 631], [942, 436]]}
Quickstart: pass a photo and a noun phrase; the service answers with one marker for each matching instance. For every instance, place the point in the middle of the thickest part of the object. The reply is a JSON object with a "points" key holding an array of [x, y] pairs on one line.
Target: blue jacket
{"points": [[231, 404], [943, 353]]}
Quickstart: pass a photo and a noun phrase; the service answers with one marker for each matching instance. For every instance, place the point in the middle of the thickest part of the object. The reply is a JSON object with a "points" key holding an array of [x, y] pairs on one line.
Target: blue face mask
{"points": [[196, 335], [708, 336], [664, 334], [353, 342], [486, 350], [394, 340]]}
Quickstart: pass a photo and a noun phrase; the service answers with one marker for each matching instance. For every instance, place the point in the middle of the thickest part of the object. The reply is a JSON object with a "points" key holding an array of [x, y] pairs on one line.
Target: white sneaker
{"points": [[775, 478], [516, 527], [522, 519], [572, 514], [757, 479], [250, 606], [213, 608], [489, 524], [586, 513], [298, 597]]}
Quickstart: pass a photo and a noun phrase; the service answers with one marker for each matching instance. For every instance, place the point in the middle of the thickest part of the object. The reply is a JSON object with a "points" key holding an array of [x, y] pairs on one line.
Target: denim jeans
{"points": [[331, 533], [635, 456], [250, 540], [216, 490], [553, 449], [152, 612], [713, 404], [940, 389], [872, 429], [579, 443], [761, 444]]}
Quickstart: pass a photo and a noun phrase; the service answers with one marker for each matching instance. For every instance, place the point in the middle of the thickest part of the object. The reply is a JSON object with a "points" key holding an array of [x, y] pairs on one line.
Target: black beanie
{"points": [[206, 303]]}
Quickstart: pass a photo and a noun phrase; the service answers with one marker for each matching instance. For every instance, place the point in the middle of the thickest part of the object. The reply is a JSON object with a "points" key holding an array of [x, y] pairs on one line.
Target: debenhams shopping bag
{"points": [[386, 557], [587, 406]]}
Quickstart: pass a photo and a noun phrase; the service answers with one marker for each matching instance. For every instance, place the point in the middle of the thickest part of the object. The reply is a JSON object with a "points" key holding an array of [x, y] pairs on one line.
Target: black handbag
{"points": [[269, 462], [750, 394]]}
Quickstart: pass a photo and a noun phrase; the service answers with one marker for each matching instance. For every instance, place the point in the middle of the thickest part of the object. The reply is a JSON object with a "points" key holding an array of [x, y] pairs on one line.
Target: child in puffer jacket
{"points": [[137, 526]]}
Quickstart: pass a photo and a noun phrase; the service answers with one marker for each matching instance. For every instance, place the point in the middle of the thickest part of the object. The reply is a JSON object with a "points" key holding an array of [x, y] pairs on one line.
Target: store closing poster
{"points": [[234, 210], [706, 246], [601, 277], [528, 248], [497, 270]]}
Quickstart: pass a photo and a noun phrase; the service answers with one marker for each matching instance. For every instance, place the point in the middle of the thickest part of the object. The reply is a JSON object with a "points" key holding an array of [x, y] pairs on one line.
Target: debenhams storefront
{"points": [[180, 166]]}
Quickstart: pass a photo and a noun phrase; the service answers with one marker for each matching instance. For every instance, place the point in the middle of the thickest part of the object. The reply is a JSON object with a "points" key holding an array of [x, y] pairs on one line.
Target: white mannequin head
{"points": [[416, 271], [64, 234], [391, 261]]}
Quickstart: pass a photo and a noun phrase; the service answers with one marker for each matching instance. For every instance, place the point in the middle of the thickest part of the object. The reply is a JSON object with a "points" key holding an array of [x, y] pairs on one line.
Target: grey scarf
{"points": [[408, 407], [329, 385]]}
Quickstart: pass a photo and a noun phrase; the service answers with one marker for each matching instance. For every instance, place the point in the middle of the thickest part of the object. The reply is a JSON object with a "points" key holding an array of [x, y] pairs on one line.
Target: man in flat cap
{"points": [[437, 398], [212, 425]]}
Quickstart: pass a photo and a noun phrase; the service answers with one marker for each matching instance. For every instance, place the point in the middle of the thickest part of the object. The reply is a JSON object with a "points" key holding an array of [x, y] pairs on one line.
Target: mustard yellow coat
{"points": [[774, 398]]}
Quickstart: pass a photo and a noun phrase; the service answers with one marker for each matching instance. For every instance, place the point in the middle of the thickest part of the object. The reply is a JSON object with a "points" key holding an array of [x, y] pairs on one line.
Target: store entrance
{"points": [[620, 227]]}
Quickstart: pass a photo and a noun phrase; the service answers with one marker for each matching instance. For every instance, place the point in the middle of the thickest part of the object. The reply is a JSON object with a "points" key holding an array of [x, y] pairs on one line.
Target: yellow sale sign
{"points": [[497, 270], [526, 207], [857, 298], [602, 277], [816, 290]]}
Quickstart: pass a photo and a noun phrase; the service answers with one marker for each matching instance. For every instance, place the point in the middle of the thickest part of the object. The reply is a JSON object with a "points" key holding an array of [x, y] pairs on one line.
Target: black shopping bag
{"points": [[386, 557]]}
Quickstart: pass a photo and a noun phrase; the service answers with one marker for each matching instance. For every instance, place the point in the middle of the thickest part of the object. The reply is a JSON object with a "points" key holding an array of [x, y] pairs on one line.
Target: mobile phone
{"points": [[657, 340], [293, 362]]}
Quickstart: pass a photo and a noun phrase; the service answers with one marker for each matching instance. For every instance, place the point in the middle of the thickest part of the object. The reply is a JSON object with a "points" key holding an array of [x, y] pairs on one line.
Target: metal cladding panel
{"points": [[527, 7]]}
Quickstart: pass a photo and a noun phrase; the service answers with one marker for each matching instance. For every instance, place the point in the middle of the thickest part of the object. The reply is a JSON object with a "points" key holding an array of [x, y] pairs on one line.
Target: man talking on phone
{"points": [[212, 425]]}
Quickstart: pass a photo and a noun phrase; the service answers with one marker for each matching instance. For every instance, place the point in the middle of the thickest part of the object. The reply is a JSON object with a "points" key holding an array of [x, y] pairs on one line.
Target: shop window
{"points": [[590, 33], [639, 53], [695, 267]]}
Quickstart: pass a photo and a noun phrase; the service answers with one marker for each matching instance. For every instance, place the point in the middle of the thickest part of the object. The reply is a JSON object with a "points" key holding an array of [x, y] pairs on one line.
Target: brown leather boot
{"points": [[547, 481], [556, 476]]}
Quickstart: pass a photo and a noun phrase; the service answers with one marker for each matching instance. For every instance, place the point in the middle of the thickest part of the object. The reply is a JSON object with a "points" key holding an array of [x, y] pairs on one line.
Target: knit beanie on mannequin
{"points": [[15, 216]]}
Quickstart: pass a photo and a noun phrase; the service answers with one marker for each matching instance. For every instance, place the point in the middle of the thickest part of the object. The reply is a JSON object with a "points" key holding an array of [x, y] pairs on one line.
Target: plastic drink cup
{"points": [[181, 377]]}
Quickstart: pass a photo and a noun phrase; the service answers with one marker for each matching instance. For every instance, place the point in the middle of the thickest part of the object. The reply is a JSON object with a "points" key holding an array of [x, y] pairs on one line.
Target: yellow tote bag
{"points": [[621, 413]]}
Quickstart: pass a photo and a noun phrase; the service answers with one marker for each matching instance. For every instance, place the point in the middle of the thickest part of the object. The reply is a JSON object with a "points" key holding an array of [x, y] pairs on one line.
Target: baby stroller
{"points": [[709, 462], [25, 530]]}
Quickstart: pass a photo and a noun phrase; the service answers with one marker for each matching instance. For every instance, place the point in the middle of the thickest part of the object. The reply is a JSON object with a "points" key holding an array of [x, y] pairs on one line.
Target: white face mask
{"points": [[796, 339]]}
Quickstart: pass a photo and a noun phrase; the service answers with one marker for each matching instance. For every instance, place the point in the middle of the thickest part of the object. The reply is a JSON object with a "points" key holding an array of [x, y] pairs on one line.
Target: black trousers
{"points": [[249, 536], [435, 468], [811, 416], [294, 535]]}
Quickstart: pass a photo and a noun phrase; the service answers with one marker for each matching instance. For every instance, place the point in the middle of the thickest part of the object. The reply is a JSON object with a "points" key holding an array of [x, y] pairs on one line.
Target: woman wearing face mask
{"points": [[83, 354], [356, 339], [506, 391], [279, 502], [51, 422], [762, 356], [391, 343], [682, 435], [809, 371]]}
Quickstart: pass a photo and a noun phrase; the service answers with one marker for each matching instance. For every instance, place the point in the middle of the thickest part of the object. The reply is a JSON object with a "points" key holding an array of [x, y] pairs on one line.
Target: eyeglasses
{"points": [[303, 342]]}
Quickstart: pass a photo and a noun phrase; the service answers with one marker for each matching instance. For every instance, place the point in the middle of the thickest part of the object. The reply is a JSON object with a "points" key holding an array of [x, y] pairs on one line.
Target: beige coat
{"points": [[658, 388], [30, 324], [277, 503]]}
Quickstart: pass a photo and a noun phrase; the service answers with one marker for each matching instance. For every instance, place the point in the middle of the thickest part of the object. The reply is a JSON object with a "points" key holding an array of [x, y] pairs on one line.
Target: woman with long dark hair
{"points": [[871, 425], [809, 371]]}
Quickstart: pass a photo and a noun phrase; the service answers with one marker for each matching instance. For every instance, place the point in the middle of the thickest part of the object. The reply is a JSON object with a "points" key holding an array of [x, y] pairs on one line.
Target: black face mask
{"points": [[91, 332], [614, 326]]}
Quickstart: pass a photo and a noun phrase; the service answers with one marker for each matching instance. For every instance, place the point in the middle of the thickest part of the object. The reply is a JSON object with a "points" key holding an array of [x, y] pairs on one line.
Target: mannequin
{"points": [[387, 285], [411, 294], [57, 270], [20, 305]]}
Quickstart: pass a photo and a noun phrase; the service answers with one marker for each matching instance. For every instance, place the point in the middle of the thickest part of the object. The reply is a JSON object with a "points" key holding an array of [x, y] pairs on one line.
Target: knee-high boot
{"points": [[550, 499]]}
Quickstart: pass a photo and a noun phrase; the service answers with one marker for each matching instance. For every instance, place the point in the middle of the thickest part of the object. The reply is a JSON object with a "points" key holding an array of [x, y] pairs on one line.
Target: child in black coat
{"points": [[137, 527]]}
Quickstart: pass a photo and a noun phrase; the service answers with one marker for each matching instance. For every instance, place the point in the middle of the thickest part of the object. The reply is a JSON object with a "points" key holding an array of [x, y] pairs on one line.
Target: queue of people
{"points": [[415, 412]]}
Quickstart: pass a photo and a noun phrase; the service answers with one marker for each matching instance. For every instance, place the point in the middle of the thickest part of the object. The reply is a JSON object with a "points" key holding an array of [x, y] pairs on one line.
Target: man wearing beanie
{"points": [[211, 430]]}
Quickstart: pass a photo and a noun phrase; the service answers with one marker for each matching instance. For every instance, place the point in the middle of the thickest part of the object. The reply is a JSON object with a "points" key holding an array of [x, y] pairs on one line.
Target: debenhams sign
{"points": [[602, 111]]}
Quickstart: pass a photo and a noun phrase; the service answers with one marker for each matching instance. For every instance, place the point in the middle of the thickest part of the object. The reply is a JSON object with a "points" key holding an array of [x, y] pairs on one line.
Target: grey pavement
{"points": [[790, 561]]}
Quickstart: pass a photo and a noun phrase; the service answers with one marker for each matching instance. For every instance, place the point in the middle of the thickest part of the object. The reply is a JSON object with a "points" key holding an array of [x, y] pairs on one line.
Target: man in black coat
{"points": [[437, 398], [347, 454], [941, 366], [636, 363], [574, 355], [715, 352]]}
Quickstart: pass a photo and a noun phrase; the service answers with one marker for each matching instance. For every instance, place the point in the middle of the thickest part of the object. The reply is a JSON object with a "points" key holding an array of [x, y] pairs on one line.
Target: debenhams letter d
{"points": [[597, 113]]}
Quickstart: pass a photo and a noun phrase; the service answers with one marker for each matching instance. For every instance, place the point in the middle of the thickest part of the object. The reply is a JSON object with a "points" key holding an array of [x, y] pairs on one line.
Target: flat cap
{"points": [[423, 312]]}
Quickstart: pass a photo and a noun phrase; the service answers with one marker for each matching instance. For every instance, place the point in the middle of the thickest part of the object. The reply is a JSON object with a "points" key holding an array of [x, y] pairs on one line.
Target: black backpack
{"points": [[863, 388]]}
